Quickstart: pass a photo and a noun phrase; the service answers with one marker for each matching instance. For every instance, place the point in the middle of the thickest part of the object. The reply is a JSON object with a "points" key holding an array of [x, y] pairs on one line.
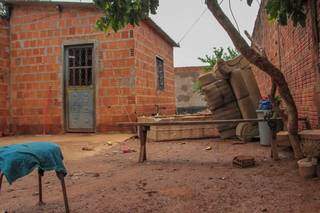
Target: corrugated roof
{"points": [[149, 21]]}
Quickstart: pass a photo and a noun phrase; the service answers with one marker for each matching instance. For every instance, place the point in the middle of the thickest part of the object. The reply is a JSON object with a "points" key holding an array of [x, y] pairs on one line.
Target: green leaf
{"points": [[284, 10], [218, 53], [117, 14]]}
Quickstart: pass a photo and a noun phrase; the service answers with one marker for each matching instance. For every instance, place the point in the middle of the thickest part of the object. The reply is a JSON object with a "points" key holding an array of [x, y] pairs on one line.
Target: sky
{"points": [[176, 17]]}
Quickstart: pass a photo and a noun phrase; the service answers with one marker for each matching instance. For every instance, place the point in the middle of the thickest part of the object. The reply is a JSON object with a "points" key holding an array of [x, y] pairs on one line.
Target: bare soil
{"points": [[179, 176]]}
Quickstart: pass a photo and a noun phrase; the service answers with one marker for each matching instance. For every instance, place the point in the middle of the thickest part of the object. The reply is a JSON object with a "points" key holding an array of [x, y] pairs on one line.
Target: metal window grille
{"points": [[160, 73], [80, 66]]}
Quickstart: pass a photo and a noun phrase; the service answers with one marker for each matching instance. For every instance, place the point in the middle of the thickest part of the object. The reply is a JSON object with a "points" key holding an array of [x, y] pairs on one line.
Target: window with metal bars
{"points": [[80, 66], [160, 73]]}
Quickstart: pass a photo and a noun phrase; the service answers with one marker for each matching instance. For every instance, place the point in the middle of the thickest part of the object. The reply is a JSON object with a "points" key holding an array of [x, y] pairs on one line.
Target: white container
{"points": [[264, 130]]}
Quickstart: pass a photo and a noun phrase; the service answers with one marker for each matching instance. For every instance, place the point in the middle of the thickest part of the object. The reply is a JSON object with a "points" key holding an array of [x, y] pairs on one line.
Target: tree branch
{"points": [[255, 46], [240, 43]]}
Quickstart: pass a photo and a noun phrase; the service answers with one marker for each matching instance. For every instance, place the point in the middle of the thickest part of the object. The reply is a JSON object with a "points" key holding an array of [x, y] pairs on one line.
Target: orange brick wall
{"points": [[148, 45], [291, 49], [38, 33], [4, 76]]}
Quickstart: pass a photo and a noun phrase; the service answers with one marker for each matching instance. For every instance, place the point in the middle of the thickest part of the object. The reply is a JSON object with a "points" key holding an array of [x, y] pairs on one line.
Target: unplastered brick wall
{"points": [[4, 76], [38, 33], [292, 50], [148, 46]]}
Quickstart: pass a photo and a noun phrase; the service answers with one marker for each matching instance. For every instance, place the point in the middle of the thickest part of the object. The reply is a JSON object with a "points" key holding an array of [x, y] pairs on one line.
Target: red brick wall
{"points": [[291, 49], [4, 76], [38, 33], [148, 46]]}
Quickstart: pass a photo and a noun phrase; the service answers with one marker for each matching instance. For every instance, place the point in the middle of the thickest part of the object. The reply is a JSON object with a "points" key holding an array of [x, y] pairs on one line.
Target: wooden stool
{"points": [[19, 160], [60, 175]]}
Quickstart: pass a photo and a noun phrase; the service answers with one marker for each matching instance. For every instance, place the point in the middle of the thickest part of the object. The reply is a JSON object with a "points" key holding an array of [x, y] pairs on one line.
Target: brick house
{"points": [[60, 74], [296, 52]]}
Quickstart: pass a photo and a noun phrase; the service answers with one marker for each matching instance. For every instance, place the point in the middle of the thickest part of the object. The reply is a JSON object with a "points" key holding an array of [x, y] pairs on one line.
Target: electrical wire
{"points": [[193, 25], [198, 19], [234, 18]]}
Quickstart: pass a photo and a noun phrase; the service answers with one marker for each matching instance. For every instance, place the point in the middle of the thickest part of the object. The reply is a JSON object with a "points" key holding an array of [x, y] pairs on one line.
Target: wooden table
{"points": [[144, 127]]}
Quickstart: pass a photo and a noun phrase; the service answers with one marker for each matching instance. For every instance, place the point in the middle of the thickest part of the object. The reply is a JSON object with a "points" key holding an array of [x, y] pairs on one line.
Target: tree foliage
{"points": [[119, 13], [211, 60], [284, 10], [218, 53], [4, 11]]}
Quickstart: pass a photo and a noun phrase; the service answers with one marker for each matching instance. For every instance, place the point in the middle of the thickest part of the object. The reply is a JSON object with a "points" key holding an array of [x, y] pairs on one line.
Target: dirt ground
{"points": [[178, 177]]}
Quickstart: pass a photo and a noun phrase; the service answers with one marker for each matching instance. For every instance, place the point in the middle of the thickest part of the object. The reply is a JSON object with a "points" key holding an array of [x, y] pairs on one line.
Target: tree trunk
{"points": [[273, 91], [266, 66]]}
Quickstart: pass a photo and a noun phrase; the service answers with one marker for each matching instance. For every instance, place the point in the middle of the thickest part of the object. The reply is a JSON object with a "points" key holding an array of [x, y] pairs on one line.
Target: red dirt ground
{"points": [[178, 177]]}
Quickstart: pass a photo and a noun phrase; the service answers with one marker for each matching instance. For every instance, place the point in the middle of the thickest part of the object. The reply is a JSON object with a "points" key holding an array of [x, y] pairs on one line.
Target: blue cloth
{"points": [[17, 161]]}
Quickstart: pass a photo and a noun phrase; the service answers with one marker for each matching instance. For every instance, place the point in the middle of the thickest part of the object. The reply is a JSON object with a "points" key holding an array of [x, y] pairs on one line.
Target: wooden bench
{"points": [[143, 128]]}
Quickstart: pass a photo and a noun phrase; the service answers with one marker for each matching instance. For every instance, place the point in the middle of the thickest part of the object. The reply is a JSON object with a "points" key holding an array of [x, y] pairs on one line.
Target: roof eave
{"points": [[159, 30], [21, 2]]}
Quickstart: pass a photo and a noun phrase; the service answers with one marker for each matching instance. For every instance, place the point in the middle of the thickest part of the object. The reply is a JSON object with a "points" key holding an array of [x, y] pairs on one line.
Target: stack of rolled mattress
{"points": [[221, 102], [231, 92], [246, 90], [242, 65]]}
